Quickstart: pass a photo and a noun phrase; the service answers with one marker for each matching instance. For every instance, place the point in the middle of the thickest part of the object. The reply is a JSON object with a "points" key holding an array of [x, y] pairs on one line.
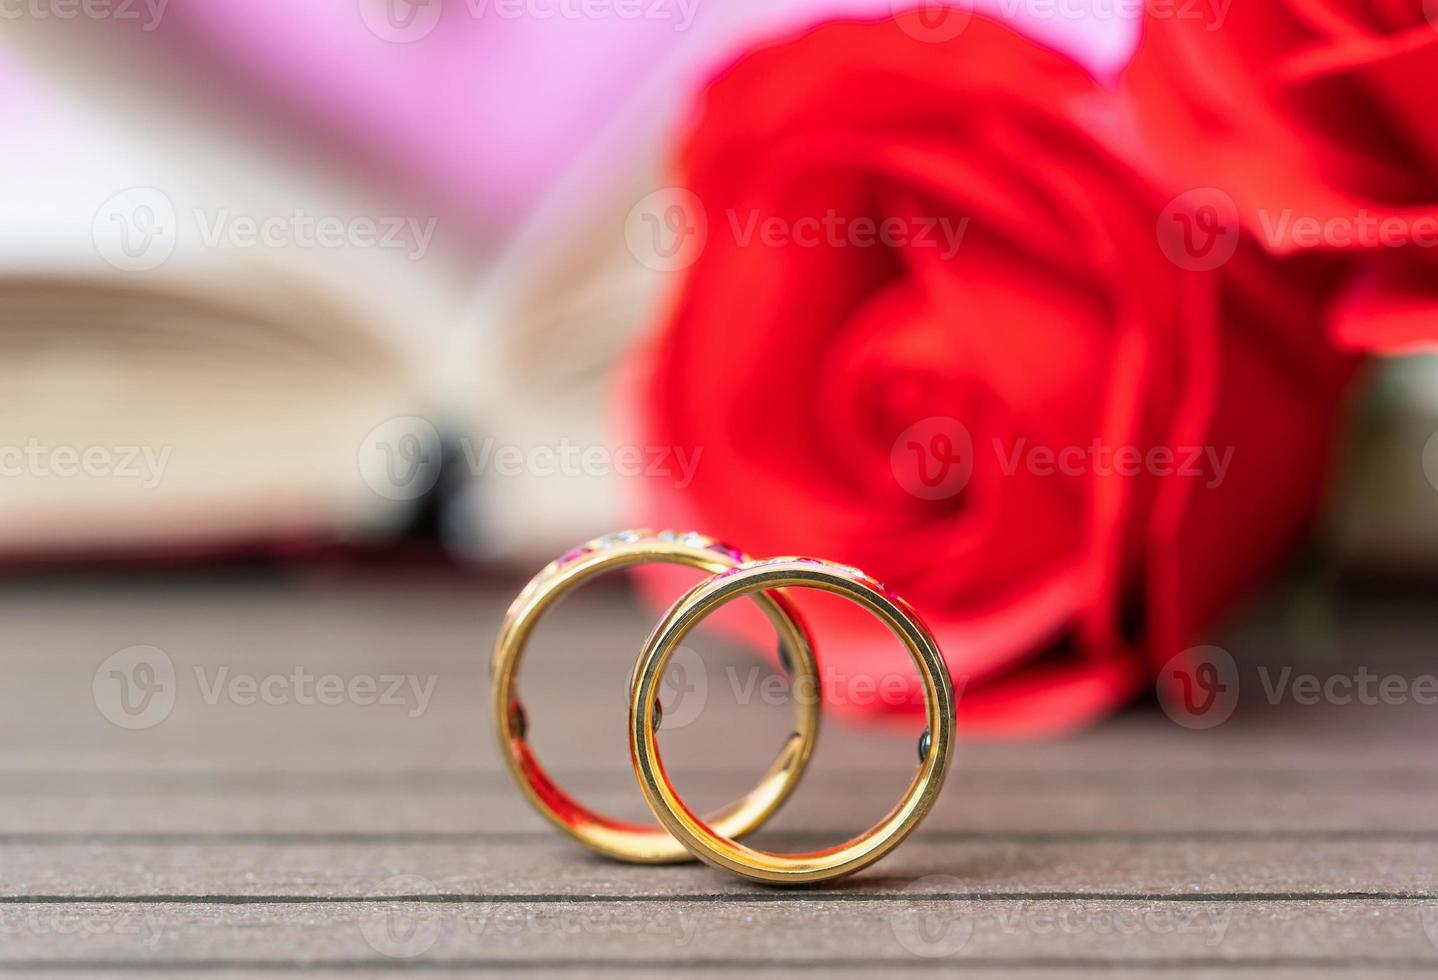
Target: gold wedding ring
{"points": [[616, 838], [711, 841]]}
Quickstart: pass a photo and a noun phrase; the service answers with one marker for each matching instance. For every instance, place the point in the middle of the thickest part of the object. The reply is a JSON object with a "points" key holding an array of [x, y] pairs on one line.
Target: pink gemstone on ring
{"points": [[573, 555], [727, 550]]}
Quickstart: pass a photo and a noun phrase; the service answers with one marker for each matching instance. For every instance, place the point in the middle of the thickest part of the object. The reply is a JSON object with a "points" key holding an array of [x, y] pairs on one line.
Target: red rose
{"points": [[1317, 119], [1002, 425]]}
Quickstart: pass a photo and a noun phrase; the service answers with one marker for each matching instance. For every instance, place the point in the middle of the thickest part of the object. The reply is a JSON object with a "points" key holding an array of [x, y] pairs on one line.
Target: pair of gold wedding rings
{"points": [[714, 838]]}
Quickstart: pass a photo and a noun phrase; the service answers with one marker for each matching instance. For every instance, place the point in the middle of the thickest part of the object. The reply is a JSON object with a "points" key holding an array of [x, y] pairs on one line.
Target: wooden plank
{"points": [[783, 931], [552, 866], [219, 808]]}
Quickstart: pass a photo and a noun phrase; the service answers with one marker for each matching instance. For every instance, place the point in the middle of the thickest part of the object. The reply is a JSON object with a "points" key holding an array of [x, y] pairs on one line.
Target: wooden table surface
{"points": [[319, 791]]}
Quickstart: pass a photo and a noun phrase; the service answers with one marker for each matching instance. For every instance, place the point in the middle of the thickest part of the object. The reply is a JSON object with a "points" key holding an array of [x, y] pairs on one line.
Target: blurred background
{"points": [[276, 248]]}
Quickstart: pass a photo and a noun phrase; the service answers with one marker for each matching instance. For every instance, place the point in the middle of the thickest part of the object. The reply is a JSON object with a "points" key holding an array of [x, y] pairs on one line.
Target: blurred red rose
{"points": [[942, 331], [1317, 119]]}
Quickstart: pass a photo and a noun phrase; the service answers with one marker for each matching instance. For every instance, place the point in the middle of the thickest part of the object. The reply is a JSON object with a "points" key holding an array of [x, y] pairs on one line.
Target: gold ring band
{"points": [[629, 841], [709, 842]]}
